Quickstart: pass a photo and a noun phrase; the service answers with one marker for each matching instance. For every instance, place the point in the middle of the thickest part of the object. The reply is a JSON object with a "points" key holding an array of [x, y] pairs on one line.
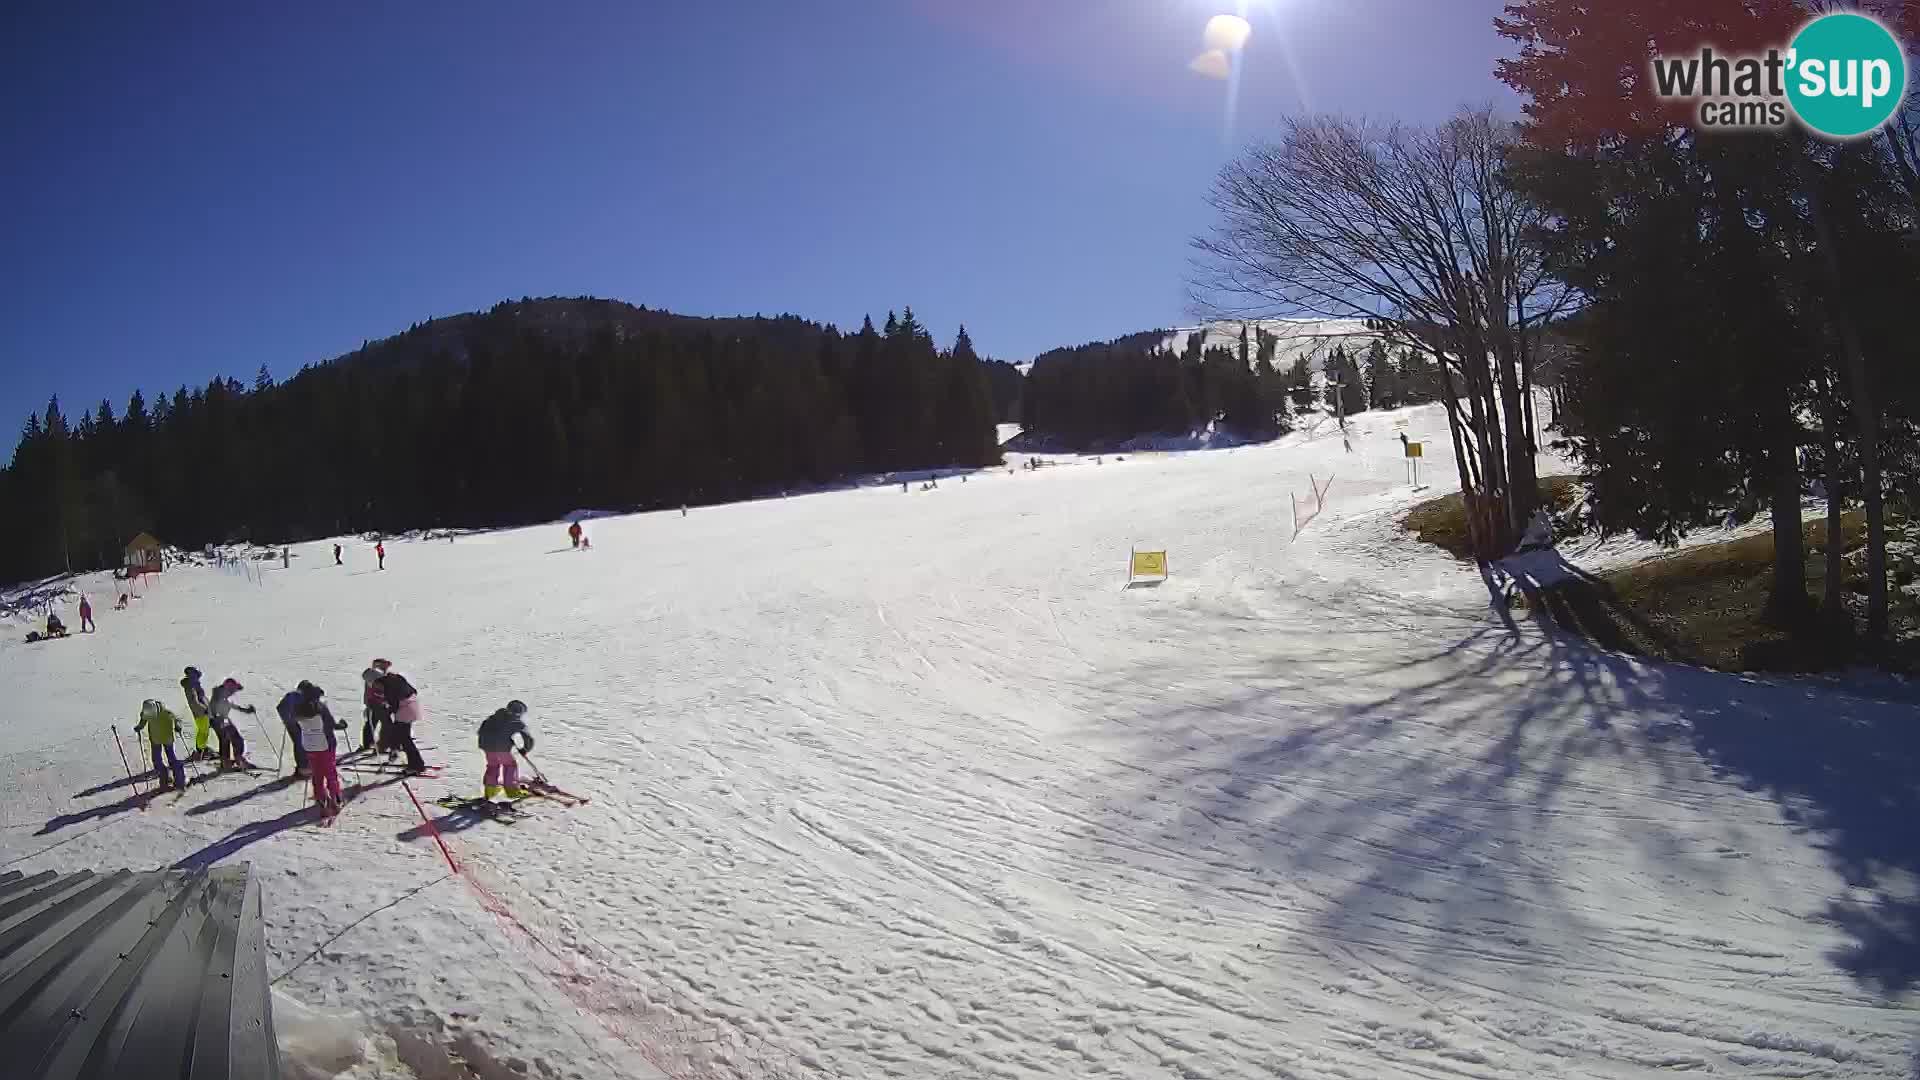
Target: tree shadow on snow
{"points": [[1843, 766], [1412, 818]]}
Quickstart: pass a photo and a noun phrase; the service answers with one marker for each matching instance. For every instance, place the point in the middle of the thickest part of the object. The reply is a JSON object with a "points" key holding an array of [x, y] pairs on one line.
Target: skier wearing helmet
{"points": [[159, 725], [285, 708], [220, 707], [313, 728], [197, 708], [496, 741], [405, 703], [373, 733]]}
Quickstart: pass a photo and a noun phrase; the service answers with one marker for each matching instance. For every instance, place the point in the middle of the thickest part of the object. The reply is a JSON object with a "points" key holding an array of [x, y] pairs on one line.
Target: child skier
{"points": [[289, 702], [197, 708], [220, 707], [373, 733], [380, 552], [496, 741], [405, 703], [315, 725], [336, 556], [86, 616], [573, 533], [159, 725]]}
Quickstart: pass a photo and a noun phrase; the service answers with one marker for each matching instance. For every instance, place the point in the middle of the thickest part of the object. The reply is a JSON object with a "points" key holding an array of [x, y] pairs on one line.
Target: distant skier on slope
{"points": [[404, 700], [380, 552], [573, 534], [314, 726], [373, 733], [220, 708], [197, 708], [496, 741], [86, 616], [336, 556]]}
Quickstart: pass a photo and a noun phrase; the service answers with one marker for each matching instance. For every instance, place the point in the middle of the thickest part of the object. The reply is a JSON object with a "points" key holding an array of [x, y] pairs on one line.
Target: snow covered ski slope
{"points": [[907, 785]]}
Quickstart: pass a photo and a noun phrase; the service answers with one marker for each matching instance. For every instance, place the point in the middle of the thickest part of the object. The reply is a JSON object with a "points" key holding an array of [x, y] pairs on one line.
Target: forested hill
{"points": [[566, 322], [516, 414]]}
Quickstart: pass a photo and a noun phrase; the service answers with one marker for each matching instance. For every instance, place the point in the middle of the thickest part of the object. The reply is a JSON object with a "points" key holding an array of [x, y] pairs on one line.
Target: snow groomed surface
{"points": [[908, 785]]}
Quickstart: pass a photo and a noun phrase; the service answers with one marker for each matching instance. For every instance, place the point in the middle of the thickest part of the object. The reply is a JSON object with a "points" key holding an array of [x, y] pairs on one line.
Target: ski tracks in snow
{"points": [[909, 787]]}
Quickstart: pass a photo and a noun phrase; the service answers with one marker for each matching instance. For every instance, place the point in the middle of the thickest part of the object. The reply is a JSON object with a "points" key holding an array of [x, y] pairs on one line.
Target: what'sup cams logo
{"points": [[1843, 76]]}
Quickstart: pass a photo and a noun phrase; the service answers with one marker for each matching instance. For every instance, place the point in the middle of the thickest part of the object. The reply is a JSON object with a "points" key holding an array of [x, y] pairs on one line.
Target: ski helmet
{"points": [[193, 672], [149, 709], [310, 691], [233, 684], [383, 664], [517, 707]]}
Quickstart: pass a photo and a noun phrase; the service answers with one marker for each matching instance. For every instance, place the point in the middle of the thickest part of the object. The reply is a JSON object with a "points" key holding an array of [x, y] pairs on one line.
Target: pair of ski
{"points": [[508, 811], [374, 751], [505, 812], [383, 768]]}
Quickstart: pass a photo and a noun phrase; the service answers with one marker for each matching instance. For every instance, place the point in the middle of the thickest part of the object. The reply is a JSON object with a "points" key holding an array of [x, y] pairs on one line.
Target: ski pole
{"points": [[262, 725], [124, 763], [537, 774]]}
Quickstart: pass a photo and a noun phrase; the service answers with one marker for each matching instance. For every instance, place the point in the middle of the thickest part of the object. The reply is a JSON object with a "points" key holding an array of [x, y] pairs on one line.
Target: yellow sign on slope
{"points": [[1149, 564], [1413, 450]]}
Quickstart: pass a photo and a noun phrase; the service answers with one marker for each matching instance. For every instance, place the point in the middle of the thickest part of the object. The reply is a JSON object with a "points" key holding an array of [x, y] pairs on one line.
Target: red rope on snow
{"points": [[432, 828], [600, 1006]]}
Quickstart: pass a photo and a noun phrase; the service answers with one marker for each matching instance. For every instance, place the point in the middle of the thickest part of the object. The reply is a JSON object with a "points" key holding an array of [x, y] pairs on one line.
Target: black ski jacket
{"points": [[497, 732]]}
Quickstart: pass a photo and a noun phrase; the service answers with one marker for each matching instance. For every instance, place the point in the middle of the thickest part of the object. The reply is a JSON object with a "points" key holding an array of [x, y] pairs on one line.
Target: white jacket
{"points": [[316, 732]]}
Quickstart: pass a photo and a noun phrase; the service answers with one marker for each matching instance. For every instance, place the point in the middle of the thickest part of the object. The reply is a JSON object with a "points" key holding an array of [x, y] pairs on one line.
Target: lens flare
{"points": [[1213, 64], [1227, 33]]}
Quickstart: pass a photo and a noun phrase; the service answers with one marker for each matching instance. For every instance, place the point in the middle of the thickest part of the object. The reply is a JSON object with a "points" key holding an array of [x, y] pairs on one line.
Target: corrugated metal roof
{"points": [[134, 976]]}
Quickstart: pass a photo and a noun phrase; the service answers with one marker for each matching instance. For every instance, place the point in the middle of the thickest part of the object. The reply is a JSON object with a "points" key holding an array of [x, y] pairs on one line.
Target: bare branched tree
{"points": [[1413, 230]]}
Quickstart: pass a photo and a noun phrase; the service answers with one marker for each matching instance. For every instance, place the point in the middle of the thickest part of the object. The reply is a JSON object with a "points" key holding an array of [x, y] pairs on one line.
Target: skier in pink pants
{"points": [[496, 740], [316, 725]]}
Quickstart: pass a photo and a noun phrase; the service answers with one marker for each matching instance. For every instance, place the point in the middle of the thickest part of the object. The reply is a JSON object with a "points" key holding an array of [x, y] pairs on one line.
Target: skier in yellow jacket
{"points": [[159, 725]]}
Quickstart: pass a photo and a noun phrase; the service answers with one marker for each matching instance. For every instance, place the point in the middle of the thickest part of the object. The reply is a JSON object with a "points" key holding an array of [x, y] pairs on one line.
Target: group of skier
{"points": [[391, 709], [379, 552]]}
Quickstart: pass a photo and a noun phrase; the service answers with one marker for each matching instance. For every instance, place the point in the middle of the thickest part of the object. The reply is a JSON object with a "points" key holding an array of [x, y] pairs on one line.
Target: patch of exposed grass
{"points": [[1442, 522], [1706, 606]]}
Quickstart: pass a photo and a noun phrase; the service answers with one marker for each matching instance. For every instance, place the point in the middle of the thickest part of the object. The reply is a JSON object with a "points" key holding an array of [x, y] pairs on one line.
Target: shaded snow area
{"points": [[892, 784]]}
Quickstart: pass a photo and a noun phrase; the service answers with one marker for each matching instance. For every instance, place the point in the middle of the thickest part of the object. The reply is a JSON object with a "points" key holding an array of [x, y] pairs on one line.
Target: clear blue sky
{"points": [[197, 189]]}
